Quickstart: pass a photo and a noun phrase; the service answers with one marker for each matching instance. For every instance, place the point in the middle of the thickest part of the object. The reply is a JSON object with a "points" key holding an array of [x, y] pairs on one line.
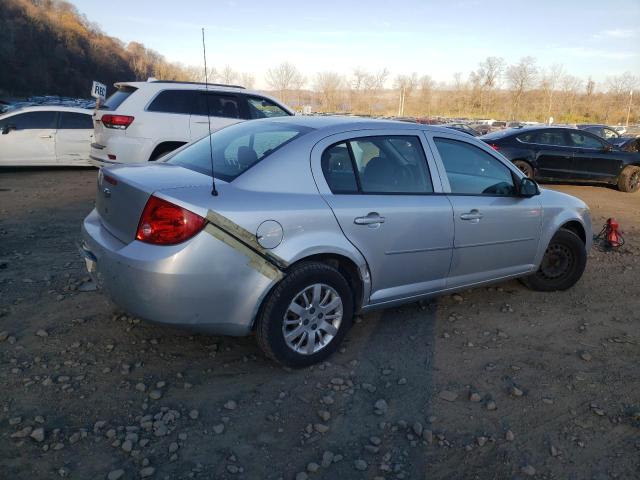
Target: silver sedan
{"points": [[308, 220]]}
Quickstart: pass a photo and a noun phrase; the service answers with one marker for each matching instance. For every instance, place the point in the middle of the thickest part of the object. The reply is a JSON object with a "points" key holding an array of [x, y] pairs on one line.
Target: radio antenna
{"points": [[214, 192]]}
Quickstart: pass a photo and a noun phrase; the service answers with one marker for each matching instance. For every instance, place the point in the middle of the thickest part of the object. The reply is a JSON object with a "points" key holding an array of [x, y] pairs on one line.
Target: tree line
{"points": [[48, 47]]}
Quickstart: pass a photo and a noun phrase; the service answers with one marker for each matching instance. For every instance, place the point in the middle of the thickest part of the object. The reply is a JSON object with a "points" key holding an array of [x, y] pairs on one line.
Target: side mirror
{"points": [[528, 188], [7, 128], [607, 148]]}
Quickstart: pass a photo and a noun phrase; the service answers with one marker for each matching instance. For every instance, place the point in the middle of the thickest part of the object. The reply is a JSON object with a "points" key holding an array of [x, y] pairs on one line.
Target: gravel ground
{"points": [[496, 382]]}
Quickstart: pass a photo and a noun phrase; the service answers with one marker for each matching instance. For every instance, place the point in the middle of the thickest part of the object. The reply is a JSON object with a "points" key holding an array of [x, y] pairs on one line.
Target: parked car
{"points": [[631, 145], [380, 214], [142, 121], [567, 154], [463, 127], [603, 131], [46, 136]]}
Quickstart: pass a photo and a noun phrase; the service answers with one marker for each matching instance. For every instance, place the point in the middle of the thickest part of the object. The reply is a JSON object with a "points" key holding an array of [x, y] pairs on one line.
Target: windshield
{"points": [[237, 148]]}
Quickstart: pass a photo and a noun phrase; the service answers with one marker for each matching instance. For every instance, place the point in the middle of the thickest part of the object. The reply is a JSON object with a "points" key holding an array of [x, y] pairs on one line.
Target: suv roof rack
{"points": [[199, 83]]}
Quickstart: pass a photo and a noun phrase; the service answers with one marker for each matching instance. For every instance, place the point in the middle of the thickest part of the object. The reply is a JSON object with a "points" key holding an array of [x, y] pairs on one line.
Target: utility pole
{"points": [[629, 107], [401, 103]]}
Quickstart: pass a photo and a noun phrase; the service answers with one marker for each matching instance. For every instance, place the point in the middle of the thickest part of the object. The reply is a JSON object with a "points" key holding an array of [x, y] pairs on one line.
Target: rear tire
{"points": [[296, 309], [525, 167], [562, 266], [629, 179]]}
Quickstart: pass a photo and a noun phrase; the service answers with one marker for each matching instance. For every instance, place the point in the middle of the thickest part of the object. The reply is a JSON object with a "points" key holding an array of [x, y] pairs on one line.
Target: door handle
{"points": [[372, 218], [474, 215], [46, 136]]}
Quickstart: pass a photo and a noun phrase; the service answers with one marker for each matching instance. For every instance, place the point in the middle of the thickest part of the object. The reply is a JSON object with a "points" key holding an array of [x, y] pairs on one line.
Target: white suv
{"points": [[143, 121]]}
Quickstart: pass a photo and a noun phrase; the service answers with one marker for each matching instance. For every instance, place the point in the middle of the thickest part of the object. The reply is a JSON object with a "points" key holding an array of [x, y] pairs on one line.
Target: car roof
{"points": [[49, 108], [341, 123]]}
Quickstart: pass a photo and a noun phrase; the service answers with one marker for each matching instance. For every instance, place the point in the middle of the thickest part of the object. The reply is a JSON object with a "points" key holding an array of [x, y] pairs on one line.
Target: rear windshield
{"points": [[499, 134], [117, 97], [237, 148]]}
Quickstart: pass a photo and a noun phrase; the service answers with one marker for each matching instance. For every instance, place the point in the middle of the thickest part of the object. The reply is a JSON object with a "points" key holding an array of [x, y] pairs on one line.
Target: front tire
{"points": [[562, 266], [306, 316], [524, 167], [629, 179]]}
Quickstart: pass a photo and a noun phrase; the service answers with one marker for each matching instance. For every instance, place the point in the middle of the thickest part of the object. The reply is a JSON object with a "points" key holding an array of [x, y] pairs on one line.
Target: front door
{"points": [[28, 139], [592, 159], [214, 111], [387, 199], [496, 231], [73, 138]]}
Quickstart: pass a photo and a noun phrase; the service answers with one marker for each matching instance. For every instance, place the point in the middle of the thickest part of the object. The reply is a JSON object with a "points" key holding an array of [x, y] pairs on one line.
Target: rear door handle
{"points": [[372, 218], [474, 215], [46, 136]]}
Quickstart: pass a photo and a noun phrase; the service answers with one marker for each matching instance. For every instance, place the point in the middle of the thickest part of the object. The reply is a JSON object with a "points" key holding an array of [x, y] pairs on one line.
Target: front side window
{"points": [[472, 171], [33, 120], [609, 133], [75, 121], [237, 148], [583, 140], [173, 101], [263, 108], [377, 165]]}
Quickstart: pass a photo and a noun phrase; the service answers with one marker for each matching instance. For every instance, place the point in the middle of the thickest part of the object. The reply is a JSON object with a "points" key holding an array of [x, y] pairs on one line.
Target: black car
{"points": [[603, 131], [567, 154]]}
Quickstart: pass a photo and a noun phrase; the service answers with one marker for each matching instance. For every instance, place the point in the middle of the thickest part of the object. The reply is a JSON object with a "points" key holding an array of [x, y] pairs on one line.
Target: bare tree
{"points": [[283, 78], [247, 80], [549, 84], [328, 84], [486, 78], [228, 75], [521, 78], [405, 84], [426, 85]]}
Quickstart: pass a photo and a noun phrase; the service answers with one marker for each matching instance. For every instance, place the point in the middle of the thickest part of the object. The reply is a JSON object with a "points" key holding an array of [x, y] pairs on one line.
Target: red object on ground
{"points": [[612, 233]]}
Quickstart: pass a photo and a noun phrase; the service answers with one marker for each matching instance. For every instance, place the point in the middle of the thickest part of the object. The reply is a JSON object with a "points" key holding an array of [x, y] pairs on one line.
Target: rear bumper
{"points": [[120, 149], [202, 284]]}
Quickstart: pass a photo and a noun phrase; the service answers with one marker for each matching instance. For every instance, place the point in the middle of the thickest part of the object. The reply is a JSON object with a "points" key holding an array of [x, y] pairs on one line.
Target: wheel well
{"points": [[346, 267], [164, 147], [577, 228]]}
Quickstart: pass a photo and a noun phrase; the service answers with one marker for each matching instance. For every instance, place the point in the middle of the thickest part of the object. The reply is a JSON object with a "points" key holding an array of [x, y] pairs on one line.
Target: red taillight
{"points": [[163, 223], [117, 121], [494, 146]]}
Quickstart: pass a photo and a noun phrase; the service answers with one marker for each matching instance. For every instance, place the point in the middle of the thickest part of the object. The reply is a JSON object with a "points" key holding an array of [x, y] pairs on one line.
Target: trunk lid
{"points": [[123, 192]]}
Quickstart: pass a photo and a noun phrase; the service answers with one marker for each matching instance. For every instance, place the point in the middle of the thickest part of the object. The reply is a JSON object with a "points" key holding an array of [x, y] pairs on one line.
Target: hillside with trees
{"points": [[48, 47]]}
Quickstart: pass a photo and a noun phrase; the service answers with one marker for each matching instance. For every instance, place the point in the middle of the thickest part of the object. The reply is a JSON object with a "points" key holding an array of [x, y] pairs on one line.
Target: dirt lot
{"points": [[497, 383]]}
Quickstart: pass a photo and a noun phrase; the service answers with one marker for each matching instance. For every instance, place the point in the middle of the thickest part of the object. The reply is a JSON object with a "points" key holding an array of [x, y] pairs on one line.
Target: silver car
{"points": [[312, 219]]}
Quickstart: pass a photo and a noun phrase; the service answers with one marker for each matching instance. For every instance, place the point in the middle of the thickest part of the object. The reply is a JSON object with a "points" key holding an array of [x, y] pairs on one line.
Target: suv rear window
{"points": [[117, 97], [237, 148]]}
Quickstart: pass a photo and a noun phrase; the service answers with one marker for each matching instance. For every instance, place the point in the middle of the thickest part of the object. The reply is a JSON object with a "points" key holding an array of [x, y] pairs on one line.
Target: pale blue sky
{"points": [[438, 38]]}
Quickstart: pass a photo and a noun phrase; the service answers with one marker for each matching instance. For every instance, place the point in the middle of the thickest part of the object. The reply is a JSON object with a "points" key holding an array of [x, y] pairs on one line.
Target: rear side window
{"points": [[33, 120], [174, 101], [237, 148], [75, 121], [218, 105], [263, 108], [377, 165], [117, 97], [582, 140], [553, 138], [472, 171]]}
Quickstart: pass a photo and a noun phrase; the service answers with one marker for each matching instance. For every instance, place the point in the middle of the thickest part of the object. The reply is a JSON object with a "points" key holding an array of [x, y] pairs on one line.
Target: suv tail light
{"points": [[120, 122], [163, 223], [494, 146]]}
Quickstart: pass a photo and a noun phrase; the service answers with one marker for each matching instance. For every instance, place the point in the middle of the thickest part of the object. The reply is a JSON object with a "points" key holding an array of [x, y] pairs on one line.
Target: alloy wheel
{"points": [[312, 319]]}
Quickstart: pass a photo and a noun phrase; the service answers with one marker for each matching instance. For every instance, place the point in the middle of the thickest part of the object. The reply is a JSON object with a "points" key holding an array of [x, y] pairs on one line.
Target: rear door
{"points": [[496, 231], [214, 111], [387, 199], [29, 139], [554, 154], [73, 138], [593, 158], [173, 109]]}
